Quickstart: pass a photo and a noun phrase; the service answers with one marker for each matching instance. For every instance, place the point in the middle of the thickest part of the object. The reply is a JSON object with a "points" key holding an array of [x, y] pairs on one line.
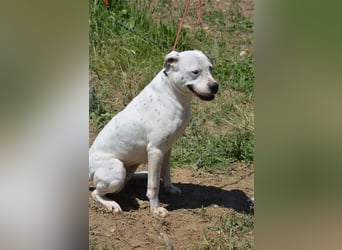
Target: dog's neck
{"points": [[182, 96]]}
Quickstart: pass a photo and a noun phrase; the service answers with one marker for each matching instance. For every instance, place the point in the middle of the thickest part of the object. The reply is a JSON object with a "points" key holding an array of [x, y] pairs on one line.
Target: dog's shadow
{"points": [[193, 196]]}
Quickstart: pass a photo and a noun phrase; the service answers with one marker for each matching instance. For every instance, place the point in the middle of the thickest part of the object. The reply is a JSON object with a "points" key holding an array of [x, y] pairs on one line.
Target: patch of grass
{"points": [[243, 25], [242, 75], [216, 17], [92, 245], [238, 22], [210, 152], [234, 231], [241, 146], [101, 118], [201, 212], [237, 74]]}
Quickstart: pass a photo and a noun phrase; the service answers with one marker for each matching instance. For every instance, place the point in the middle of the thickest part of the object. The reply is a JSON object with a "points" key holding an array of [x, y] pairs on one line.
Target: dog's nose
{"points": [[213, 87]]}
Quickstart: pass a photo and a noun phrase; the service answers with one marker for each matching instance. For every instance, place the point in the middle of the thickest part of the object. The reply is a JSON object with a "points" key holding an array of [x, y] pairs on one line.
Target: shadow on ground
{"points": [[193, 196]]}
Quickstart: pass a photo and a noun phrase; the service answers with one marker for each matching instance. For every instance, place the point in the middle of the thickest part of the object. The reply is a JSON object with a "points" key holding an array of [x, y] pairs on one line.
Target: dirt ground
{"points": [[205, 199]]}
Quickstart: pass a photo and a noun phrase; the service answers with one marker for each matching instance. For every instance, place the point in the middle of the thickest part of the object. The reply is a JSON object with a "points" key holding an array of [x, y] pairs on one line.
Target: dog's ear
{"points": [[170, 60]]}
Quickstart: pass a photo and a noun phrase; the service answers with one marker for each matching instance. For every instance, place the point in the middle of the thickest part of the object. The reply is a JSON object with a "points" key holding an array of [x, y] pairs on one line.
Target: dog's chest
{"points": [[174, 129], [168, 124], [164, 119]]}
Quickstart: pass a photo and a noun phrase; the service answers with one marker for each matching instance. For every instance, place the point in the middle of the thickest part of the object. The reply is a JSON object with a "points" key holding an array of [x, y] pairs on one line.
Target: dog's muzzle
{"points": [[213, 87]]}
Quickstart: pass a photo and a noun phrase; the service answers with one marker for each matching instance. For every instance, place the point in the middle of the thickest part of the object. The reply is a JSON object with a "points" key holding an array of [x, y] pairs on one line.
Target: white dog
{"points": [[146, 129]]}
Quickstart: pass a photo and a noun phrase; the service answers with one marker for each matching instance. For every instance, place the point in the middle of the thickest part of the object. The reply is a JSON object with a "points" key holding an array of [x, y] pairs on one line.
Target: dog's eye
{"points": [[195, 72], [210, 68]]}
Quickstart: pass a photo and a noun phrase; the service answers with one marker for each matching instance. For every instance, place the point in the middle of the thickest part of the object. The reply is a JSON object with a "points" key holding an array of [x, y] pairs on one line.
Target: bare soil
{"points": [[205, 199]]}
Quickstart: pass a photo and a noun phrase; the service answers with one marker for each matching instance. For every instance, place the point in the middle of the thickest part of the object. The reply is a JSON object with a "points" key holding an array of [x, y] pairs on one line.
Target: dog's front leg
{"points": [[169, 187], [155, 159]]}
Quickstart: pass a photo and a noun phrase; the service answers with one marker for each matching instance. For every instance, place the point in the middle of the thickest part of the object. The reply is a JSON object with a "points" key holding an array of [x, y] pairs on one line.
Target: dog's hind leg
{"points": [[109, 178]]}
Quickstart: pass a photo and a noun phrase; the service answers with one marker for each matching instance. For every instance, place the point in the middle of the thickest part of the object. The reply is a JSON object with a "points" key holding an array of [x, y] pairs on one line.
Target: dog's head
{"points": [[191, 72]]}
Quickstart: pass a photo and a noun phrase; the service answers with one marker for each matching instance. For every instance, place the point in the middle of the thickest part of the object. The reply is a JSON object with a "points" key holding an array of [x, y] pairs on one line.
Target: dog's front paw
{"points": [[159, 212], [172, 189]]}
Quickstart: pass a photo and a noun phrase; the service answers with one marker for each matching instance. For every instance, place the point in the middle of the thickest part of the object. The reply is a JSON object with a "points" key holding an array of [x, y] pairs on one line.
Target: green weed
{"points": [[101, 119], [237, 74], [241, 146], [233, 231]]}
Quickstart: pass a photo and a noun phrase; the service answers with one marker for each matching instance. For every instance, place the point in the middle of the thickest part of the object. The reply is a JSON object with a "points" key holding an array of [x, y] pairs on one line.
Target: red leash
{"points": [[107, 3], [199, 12], [199, 15]]}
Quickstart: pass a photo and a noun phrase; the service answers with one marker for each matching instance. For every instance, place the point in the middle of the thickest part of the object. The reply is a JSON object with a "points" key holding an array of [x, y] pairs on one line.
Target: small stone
{"points": [[242, 53], [142, 204]]}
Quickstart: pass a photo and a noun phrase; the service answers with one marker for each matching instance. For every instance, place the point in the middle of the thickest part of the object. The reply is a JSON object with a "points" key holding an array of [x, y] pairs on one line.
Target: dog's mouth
{"points": [[207, 97]]}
